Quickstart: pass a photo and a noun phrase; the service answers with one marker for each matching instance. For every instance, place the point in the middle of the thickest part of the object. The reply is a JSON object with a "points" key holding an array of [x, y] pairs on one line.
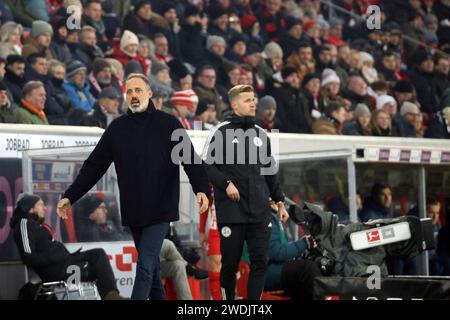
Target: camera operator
{"points": [[287, 270]]}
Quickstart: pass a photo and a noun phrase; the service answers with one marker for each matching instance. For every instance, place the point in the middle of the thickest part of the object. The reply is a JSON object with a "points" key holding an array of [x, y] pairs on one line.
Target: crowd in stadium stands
{"points": [[315, 69]]}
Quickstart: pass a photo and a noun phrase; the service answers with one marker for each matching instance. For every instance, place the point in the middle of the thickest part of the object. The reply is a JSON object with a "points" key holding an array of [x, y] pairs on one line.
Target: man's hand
{"points": [[283, 215], [233, 192], [202, 201], [63, 206], [203, 240]]}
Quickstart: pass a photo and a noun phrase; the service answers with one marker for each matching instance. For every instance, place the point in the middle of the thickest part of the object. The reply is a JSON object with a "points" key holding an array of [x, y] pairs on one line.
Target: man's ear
{"points": [[150, 93]]}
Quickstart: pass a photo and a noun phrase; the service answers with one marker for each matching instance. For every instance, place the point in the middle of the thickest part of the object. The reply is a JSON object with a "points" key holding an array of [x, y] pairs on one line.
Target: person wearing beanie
{"points": [[360, 126], [48, 257], [421, 76], [403, 91], [335, 32], [271, 19], [160, 78], [218, 22], [8, 110], [181, 78], [59, 45], [105, 110], [237, 49], [311, 29], [101, 77], [310, 93], [128, 51], [441, 73], [330, 86], [192, 35], [266, 110], [412, 117], [274, 56], [212, 41], [290, 39], [185, 104], [77, 86], [206, 114], [39, 40]]}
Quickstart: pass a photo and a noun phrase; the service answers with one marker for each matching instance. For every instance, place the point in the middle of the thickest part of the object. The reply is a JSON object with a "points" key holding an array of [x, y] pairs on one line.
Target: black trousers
{"points": [[232, 237], [94, 265], [297, 278]]}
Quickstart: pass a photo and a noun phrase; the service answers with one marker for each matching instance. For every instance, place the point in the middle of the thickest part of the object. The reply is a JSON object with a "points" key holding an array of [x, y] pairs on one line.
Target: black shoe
{"points": [[199, 274]]}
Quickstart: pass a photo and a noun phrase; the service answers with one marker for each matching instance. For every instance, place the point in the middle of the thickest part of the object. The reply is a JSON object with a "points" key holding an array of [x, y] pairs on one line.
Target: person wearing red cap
{"points": [[185, 104]]}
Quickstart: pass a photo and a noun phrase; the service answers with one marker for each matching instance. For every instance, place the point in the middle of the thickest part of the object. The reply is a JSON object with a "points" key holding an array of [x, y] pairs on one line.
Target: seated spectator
{"points": [[252, 28], [8, 110], [184, 106], [323, 58], [39, 40], [381, 124], [146, 48], [332, 121], [441, 80], [118, 71], [303, 60], [101, 77], [218, 22], [237, 49], [404, 91], [386, 67], [58, 104], [360, 126], [335, 33], [378, 204], [14, 76], [206, 114], [330, 87], [105, 110], [368, 71], [311, 32], [379, 88], [271, 19], [286, 269], [273, 57], [357, 92], [261, 71], [162, 53], [128, 51], [214, 56], [433, 208], [439, 124], [411, 119], [290, 38], [266, 110], [169, 12], [87, 50], [205, 88], [160, 77], [92, 16], [10, 34], [31, 107], [91, 221], [77, 87], [291, 108], [49, 258], [311, 93], [443, 247], [142, 20], [181, 78], [59, 48], [36, 68]]}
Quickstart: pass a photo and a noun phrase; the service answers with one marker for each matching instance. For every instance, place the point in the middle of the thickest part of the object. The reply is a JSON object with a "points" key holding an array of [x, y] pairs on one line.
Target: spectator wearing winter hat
{"points": [[335, 33], [271, 19], [214, 56], [388, 104], [290, 38], [87, 50], [421, 76], [185, 104], [56, 95], [360, 126], [105, 110], [191, 35], [101, 77], [39, 39], [404, 91], [252, 28], [169, 13], [290, 106], [181, 78], [31, 107], [14, 76], [237, 48], [142, 20], [60, 49], [10, 43], [330, 86], [8, 109], [162, 53], [218, 22], [311, 95], [386, 67], [77, 86], [206, 114], [441, 79], [413, 118], [311, 32], [160, 78], [266, 110], [368, 70]]}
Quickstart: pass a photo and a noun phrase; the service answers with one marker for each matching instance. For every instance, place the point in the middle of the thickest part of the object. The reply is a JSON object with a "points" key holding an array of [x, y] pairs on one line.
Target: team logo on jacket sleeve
{"points": [[257, 141]]}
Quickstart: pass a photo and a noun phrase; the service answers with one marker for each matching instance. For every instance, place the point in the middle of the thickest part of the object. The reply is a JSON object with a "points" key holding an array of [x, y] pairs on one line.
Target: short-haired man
{"points": [[140, 145], [378, 205], [31, 108], [240, 167]]}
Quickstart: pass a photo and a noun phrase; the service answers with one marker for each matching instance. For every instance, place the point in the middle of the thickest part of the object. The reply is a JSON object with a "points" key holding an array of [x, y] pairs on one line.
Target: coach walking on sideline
{"points": [[140, 145], [239, 160]]}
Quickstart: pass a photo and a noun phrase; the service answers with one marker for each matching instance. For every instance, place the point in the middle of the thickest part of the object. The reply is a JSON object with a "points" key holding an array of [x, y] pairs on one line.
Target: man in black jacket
{"points": [[240, 167], [140, 145], [49, 258]]}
